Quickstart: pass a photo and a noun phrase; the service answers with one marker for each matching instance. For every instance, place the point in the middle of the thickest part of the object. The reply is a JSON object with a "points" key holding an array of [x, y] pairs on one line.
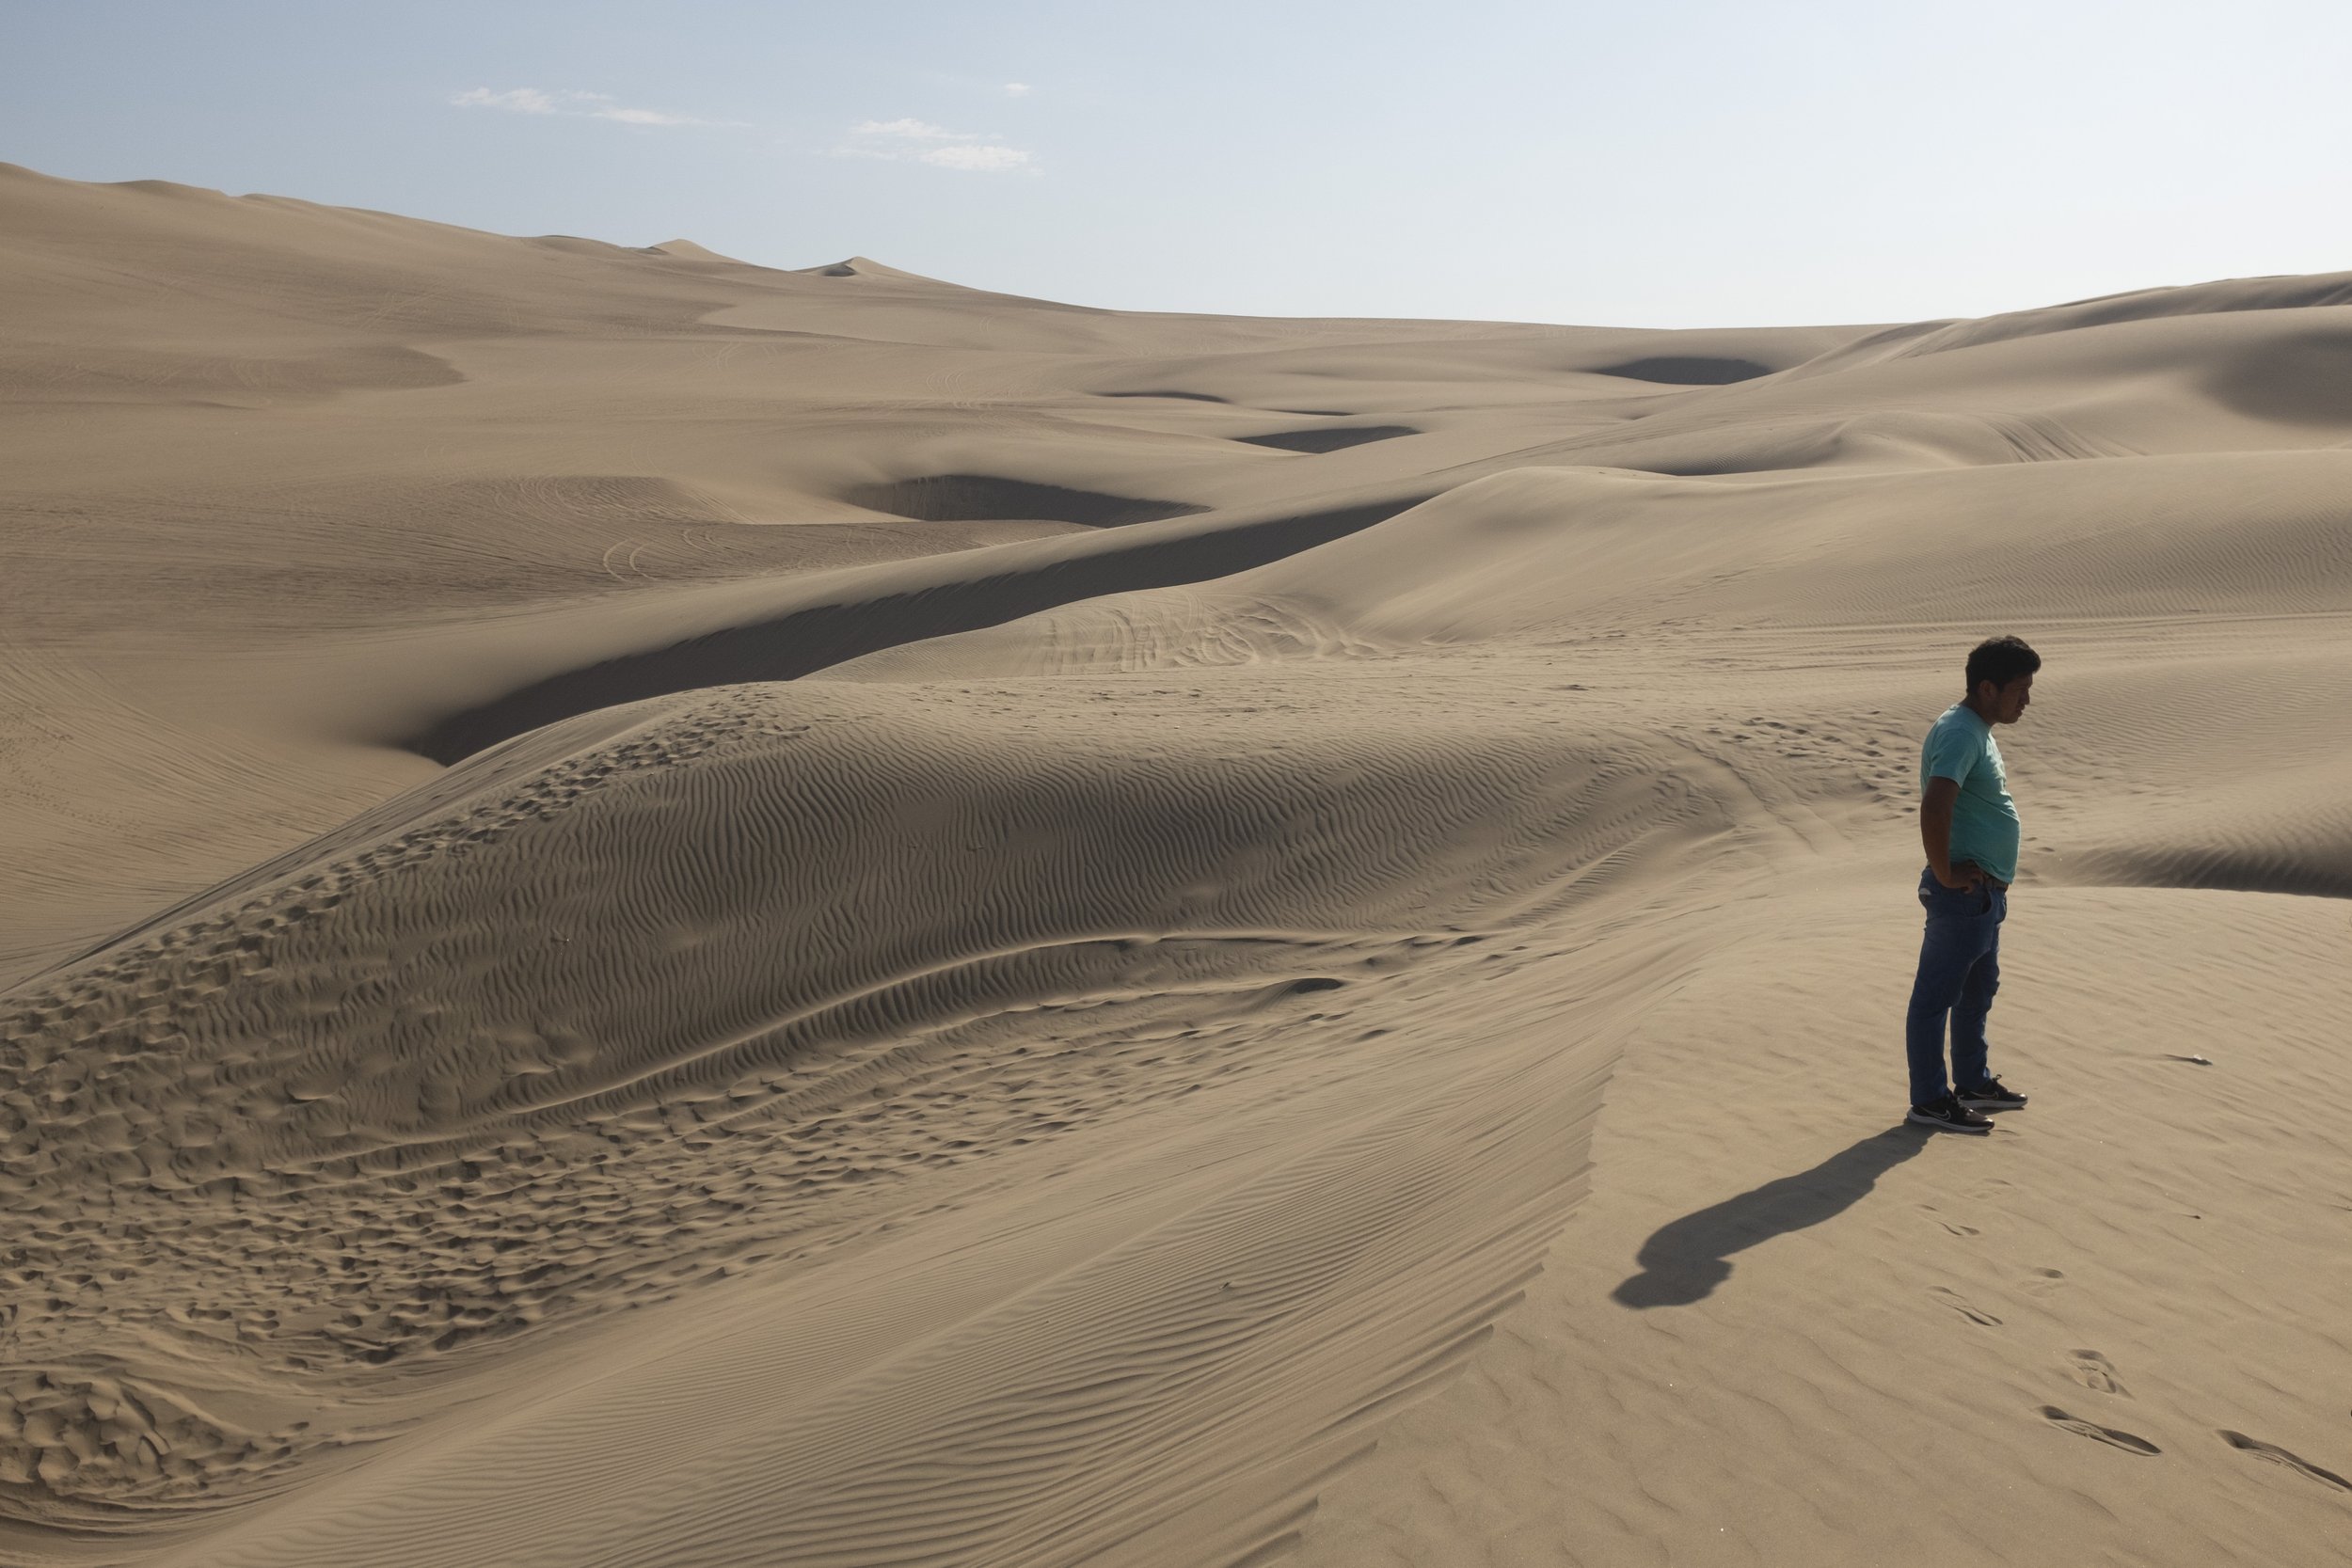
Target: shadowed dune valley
{"points": [[666, 912]]}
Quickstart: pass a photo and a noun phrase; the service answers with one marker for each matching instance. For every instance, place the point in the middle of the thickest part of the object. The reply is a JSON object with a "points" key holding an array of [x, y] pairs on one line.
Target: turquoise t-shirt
{"points": [[1959, 747]]}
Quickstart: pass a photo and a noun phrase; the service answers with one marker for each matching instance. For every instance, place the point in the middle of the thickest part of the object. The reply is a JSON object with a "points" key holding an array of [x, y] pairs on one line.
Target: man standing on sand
{"points": [[1969, 826]]}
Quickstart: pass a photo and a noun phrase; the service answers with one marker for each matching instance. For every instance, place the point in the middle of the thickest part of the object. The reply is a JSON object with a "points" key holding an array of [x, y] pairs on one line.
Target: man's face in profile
{"points": [[2009, 703]]}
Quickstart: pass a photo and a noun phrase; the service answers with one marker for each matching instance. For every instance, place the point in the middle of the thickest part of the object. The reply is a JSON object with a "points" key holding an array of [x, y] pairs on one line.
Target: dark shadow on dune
{"points": [[1699, 469], [805, 641], [984, 498], [1336, 439], [2305, 381], [1686, 371], [2300, 874], [1190, 397], [1686, 1259]]}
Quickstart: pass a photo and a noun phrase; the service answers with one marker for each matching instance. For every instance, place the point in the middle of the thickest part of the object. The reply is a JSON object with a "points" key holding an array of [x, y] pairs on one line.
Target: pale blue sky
{"points": [[1668, 164]]}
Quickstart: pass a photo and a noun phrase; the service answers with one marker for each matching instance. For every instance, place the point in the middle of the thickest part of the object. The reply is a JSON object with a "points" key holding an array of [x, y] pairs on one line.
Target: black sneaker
{"points": [[1949, 1115], [1991, 1095]]}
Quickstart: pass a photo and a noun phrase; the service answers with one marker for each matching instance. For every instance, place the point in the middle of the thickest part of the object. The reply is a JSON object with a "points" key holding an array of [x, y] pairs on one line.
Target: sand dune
{"points": [[668, 912]]}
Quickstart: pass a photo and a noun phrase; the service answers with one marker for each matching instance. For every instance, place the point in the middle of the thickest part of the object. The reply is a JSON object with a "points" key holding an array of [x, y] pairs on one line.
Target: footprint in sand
{"points": [[2096, 1373], [1953, 1225], [1974, 1314], [2278, 1455], [2076, 1424], [2041, 1282]]}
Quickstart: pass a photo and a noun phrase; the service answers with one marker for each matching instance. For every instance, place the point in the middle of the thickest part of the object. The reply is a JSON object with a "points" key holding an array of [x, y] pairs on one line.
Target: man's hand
{"points": [[1964, 874]]}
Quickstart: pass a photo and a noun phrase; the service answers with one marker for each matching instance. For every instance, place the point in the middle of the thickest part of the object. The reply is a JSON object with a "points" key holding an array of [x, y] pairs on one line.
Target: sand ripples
{"points": [[699, 995]]}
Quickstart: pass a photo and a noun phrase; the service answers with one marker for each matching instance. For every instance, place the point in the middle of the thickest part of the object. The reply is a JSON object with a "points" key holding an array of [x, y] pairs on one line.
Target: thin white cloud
{"points": [[1017, 90], [645, 116], [579, 105], [910, 130], [912, 140], [984, 159], [522, 101]]}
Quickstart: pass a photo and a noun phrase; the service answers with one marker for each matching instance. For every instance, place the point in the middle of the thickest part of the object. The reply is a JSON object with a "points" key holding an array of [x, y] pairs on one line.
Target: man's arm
{"points": [[1935, 832]]}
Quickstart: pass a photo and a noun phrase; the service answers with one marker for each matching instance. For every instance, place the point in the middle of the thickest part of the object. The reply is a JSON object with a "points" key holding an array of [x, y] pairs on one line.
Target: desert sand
{"points": [[660, 911]]}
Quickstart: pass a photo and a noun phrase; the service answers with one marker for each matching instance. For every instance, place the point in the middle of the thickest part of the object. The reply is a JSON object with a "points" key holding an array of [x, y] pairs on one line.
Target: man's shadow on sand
{"points": [[1686, 1259]]}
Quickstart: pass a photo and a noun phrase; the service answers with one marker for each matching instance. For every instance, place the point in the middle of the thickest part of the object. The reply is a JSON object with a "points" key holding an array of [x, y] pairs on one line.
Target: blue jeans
{"points": [[1960, 968]]}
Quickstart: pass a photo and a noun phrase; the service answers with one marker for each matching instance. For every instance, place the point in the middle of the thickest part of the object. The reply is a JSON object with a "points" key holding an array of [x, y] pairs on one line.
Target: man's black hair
{"points": [[2000, 660]]}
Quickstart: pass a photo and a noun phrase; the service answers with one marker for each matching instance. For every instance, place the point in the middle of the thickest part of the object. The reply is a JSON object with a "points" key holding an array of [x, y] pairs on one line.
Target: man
{"points": [[1969, 826]]}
